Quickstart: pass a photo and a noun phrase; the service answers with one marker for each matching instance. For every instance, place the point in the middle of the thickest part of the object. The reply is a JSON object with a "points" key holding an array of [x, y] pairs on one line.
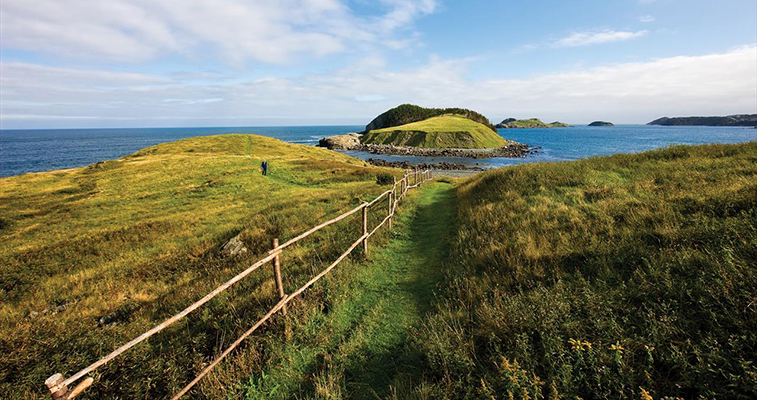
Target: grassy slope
{"points": [[603, 277], [139, 236], [446, 131], [358, 343]]}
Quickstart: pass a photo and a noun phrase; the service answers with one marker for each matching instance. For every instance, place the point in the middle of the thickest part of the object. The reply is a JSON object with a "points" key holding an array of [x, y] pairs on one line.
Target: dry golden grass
{"points": [[137, 239]]}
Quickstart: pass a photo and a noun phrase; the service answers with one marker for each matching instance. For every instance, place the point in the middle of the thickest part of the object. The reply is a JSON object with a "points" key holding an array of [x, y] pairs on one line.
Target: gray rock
{"points": [[234, 247], [350, 141]]}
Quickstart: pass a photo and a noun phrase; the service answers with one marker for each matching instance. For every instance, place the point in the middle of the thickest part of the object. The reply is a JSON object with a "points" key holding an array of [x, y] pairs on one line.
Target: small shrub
{"points": [[382, 178]]}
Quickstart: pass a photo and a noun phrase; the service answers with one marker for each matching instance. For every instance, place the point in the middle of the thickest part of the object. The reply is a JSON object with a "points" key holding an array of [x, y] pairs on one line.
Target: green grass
{"points": [[602, 278], [358, 343], [446, 131], [137, 239], [609, 277]]}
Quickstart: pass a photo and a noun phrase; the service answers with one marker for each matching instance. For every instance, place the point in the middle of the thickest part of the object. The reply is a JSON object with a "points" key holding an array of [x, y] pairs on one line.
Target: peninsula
{"points": [[512, 123], [730, 120], [417, 131]]}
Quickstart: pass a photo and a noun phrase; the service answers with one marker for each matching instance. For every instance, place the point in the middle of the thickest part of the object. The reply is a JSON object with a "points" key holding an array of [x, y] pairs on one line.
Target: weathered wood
{"points": [[389, 210], [316, 228], [58, 386], [365, 231], [58, 390], [267, 316], [277, 274], [80, 388], [376, 200], [164, 324], [226, 352]]}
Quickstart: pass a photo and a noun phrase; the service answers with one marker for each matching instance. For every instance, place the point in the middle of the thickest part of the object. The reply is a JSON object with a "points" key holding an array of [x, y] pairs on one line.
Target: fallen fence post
{"points": [[277, 275]]}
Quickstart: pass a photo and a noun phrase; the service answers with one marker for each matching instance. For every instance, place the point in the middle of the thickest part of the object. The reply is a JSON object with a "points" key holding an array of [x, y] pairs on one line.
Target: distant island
{"points": [[512, 123], [418, 131], [730, 120], [601, 123]]}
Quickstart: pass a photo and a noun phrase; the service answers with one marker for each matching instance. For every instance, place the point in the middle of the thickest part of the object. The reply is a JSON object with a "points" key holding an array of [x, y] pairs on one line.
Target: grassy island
{"points": [[445, 131], [511, 123]]}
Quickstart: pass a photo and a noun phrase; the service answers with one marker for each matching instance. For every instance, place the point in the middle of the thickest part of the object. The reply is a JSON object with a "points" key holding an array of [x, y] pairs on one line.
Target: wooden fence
{"points": [[59, 387]]}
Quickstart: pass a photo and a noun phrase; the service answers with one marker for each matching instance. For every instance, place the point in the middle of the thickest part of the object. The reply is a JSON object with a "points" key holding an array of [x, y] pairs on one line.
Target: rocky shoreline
{"points": [[445, 166], [351, 141]]}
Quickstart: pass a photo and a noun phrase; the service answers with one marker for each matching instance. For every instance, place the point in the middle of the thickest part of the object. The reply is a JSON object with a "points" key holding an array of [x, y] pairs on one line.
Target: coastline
{"points": [[351, 141]]}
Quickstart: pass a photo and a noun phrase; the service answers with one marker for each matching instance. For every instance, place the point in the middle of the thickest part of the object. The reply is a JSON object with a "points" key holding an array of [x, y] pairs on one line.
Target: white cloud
{"points": [[237, 30], [646, 18], [723, 83], [591, 38]]}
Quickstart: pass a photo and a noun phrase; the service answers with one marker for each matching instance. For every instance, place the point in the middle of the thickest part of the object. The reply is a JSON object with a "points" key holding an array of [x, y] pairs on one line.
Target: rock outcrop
{"points": [[350, 141], [601, 123]]}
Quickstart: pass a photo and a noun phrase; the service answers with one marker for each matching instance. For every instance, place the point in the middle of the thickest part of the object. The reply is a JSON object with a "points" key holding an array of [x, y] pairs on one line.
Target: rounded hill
{"points": [[444, 131]]}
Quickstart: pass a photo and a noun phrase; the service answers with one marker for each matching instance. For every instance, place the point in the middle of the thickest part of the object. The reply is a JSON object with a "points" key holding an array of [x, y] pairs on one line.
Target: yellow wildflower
{"points": [[645, 395], [617, 347]]}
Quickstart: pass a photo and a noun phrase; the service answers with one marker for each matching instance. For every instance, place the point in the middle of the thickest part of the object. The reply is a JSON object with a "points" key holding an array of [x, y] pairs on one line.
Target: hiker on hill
{"points": [[264, 167]]}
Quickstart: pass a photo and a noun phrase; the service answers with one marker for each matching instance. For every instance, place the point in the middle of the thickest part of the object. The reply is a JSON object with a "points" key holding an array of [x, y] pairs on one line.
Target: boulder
{"points": [[234, 247], [350, 141]]}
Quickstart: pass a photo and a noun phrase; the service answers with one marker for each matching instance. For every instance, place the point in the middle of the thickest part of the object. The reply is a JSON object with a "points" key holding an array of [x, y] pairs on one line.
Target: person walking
{"points": [[264, 167]]}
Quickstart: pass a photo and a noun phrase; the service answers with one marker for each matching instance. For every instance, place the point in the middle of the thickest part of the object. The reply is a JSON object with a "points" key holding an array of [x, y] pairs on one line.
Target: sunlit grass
{"points": [[445, 131], [137, 239], [603, 278]]}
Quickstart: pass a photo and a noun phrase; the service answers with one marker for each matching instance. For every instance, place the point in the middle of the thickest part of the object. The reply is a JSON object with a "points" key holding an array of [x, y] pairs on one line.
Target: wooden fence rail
{"points": [[59, 387]]}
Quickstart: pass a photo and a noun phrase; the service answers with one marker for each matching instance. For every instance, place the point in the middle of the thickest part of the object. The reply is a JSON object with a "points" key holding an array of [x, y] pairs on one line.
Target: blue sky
{"points": [[129, 63]]}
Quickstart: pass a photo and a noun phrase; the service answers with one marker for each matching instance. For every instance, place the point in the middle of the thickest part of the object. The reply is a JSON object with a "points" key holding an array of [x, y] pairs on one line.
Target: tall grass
{"points": [[92, 257], [616, 277]]}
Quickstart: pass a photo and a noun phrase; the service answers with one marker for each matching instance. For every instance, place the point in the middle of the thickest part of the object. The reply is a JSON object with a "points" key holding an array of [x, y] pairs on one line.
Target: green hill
{"points": [[446, 131], [409, 113], [602, 278], [91, 257], [530, 123]]}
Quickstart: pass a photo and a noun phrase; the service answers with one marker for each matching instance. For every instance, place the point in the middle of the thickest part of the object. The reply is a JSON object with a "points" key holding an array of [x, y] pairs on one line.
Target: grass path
{"points": [[359, 346]]}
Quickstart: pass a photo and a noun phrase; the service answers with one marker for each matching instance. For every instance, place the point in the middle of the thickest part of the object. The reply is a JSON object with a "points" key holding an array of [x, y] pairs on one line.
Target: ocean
{"points": [[23, 151]]}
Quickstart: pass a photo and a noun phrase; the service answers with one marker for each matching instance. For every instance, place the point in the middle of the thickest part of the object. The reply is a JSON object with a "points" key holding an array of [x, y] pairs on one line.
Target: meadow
{"points": [[629, 276], [92, 257]]}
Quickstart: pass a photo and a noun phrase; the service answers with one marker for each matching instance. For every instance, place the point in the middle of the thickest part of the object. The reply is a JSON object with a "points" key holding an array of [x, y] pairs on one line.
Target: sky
{"points": [[146, 63]]}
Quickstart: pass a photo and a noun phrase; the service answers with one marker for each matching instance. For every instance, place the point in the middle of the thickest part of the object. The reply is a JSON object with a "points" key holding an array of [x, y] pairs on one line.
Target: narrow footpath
{"points": [[361, 346]]}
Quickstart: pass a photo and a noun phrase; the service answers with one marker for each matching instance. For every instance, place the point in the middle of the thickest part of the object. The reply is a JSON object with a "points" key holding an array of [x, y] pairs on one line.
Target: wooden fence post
{"points": [[365, 230], [277, 275], [389, 209], [63, 393], [52, 382]]}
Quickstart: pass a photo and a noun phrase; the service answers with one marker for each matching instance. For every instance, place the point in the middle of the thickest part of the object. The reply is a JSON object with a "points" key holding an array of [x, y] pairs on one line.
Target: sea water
{"points": [[23, 151]]}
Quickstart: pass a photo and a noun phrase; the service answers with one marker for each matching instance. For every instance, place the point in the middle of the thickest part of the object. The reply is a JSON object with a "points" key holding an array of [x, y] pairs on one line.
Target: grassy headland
{"points": [[445, 131], [408, 113], [135, 240], [612, 277]]}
